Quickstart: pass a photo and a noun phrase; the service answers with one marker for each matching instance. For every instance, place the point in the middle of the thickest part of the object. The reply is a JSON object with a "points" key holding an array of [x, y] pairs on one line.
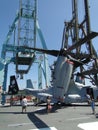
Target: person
{"points": [[20, 99], [49, 107], [88, 98], [11, 101], [93, 105], [24, 104]]}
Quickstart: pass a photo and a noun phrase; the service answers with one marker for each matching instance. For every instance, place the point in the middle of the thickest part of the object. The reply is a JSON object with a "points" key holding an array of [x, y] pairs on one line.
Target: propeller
{"points": [[67, 52]]}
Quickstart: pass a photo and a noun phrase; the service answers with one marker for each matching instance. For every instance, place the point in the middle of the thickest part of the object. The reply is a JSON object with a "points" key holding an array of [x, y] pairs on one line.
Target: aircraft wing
{"points": [[45, 94], [41, 94], [37, 92], [31, 91]]}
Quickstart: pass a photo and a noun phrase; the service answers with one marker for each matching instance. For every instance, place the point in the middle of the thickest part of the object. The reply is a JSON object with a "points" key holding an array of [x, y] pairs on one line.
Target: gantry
{"points": [[24, 30], [77, 37]]}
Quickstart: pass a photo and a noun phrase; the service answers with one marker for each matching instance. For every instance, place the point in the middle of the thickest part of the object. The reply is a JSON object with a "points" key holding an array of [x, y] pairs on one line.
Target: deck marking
{"points": [[18, 124], [71, 119], [89, 126], [48, 128]]}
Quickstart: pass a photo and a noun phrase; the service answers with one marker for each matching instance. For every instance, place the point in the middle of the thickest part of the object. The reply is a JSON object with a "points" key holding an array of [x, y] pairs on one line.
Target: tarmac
{"points": [[76, 117]]}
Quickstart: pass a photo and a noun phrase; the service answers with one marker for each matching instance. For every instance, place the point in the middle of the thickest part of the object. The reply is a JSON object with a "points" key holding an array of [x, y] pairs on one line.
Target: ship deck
{"points": [[76, 117]]}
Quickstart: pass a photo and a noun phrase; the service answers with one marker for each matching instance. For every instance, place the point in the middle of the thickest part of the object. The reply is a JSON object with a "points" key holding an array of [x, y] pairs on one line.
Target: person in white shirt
{"points": [[24, 104]]}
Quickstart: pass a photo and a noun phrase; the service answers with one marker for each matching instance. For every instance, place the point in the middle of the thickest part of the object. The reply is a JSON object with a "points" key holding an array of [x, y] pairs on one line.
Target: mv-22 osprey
{"points": [[64, 88], [70, 57]]}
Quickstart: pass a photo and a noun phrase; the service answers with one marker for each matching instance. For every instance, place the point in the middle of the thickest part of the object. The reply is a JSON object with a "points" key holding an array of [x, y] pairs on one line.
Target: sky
{"points": [[51, 17]]}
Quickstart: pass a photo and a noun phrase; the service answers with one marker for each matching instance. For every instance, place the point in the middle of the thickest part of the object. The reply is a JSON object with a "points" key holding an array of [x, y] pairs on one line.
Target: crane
{"points": [[24, 30], [79, 33]]}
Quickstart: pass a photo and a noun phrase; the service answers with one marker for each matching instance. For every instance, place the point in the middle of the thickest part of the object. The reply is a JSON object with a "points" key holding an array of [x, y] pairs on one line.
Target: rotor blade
{"points": [[76, 62], [50, 52], [80, 56], [90, 72], [64, 52], [82, 41]]}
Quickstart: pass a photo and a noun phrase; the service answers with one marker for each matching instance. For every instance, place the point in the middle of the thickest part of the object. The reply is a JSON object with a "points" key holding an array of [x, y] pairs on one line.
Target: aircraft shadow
{"points": [[54, 109], [44, 111], [12, 113], [37, 121], [96, 115]]}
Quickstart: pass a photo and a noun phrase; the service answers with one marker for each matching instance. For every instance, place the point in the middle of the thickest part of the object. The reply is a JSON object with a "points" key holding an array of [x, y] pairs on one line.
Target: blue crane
{"points": [[26, 27]]}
